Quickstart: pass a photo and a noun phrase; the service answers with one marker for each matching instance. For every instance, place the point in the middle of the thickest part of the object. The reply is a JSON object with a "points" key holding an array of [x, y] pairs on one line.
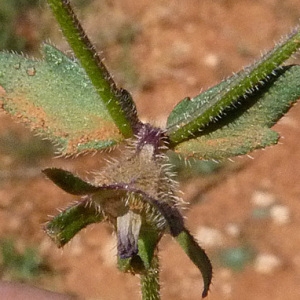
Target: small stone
{"points": [[280, 214], [263, 199], [211, 60], [209, 237], [266, 263], [233, 229]]}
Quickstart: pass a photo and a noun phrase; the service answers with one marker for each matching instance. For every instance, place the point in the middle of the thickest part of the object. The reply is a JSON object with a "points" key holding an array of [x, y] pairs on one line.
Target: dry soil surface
{"points": [[174, 49]]}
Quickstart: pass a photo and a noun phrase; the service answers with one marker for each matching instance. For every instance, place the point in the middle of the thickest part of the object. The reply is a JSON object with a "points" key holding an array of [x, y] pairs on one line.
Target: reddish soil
{"points": [[179, 48]]}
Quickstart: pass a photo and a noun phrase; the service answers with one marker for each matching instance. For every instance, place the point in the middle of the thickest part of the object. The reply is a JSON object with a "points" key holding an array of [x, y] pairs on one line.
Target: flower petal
{"points": [[128, 230]]}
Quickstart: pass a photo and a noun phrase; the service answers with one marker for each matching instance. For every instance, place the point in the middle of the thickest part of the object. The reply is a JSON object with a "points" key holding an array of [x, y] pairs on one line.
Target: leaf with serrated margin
{"points": [[245, 126], [56, 99]]}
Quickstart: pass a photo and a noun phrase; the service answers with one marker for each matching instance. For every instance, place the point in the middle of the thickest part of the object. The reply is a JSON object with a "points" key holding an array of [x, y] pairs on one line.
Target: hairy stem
{"points": [[150, 281], [91, 62]]}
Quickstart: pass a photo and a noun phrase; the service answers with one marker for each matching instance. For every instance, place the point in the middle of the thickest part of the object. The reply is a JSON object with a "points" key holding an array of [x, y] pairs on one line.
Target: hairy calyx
{"points": [[137, 194]]}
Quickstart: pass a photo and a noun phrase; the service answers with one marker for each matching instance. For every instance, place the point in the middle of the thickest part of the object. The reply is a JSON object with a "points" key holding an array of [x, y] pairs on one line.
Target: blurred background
{"points": [[244, 212]]}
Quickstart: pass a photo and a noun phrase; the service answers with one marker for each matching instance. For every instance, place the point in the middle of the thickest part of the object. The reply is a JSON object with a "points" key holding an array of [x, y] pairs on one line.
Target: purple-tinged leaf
{"points": [[69, 182]]}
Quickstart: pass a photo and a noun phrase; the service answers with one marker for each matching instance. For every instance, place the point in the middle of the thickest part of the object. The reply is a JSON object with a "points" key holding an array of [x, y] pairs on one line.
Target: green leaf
{"points": [[184, 124], [57, 100], [62, 228], [69, 182], [90, 60], [197, 256], [245, 126], [147, 244]]}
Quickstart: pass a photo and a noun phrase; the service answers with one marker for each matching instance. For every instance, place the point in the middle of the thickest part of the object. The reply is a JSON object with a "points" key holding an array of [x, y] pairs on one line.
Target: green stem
{"points": [[150, 281], [237, 86], [91, 62]]}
